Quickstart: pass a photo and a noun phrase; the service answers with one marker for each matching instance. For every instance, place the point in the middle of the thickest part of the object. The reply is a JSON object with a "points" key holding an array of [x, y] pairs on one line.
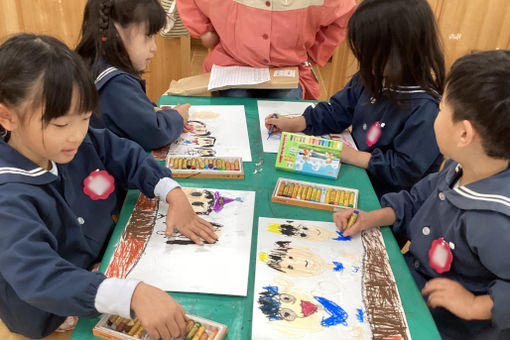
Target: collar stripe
{"points": [[30, 173], [482, 197], [104, 74]]}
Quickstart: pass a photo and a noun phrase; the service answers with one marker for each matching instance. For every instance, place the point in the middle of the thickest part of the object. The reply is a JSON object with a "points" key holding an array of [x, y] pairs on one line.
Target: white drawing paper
{"points": [[224, 76]]}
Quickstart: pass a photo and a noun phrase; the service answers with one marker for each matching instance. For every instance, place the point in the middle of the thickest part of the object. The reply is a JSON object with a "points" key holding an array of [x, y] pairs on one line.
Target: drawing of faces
{"points": [[180, 239], [299, 231], [205, 141], [201, 200], [199, 128], [296, 261], [293, 311]]}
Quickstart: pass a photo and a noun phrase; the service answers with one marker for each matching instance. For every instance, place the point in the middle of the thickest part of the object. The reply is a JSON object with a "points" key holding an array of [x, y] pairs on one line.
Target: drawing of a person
{"points": [[306, 232], [201, 141], [294, 312], [180, 239], [297, 261], [204, 201]]}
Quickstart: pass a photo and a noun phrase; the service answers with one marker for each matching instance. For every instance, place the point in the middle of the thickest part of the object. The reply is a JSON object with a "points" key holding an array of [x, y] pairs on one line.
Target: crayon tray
{"points": [[205, 167], [314, 195], [109, 327]]}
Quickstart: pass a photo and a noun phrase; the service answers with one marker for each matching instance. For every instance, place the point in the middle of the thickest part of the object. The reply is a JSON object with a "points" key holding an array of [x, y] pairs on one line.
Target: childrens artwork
{"points": [[175, 263], [312, 282], [271, 142], [217, 131]]}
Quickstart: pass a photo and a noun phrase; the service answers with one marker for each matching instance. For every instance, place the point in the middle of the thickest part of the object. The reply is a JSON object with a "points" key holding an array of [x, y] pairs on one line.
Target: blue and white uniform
{"points": [[401, 139], [474, 222], [127, 111], [52, 232]]}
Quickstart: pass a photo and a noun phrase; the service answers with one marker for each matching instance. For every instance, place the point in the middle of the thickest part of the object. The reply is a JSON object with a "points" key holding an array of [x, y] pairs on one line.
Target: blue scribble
{"points": [[337, 314], [341, 237], [338, 266], [360, 315], [269, 303], [355, 269]]}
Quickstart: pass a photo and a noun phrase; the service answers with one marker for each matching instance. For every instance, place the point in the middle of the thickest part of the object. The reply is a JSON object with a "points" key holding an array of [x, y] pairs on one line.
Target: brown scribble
{"points": [[161, 153], [383, 305], [135, 237]]}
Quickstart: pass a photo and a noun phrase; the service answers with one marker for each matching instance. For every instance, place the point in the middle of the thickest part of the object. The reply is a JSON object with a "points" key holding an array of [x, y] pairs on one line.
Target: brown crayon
{"points": [[213, 334]]}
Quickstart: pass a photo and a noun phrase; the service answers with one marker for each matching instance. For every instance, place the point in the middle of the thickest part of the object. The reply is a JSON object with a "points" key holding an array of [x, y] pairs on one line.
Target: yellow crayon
{"points": [[193, 330], [280, 188], [227, 165], [291, 190], [223, 165], [300, 192], [194, 163], [213, 334], [139, 333], [352, 219], [318, 195], [199, 333], [286, 190], [351, 199], [326, 199], [171, 163], [135, 327], [236, 165], [346, 199], [341, 198], [200, 163], [204, 336], [337, 197], [309, 193], [295, 191]]}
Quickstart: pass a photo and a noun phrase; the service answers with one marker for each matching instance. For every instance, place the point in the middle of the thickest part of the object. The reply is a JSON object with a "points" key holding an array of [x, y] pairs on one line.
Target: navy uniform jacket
{"points": [[406, 150], [52, 232], [127, 112], [474, 220]]}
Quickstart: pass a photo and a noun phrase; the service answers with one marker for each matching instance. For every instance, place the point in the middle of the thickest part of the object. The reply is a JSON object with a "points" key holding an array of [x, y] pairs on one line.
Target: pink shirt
{"points": [[261, 33]]}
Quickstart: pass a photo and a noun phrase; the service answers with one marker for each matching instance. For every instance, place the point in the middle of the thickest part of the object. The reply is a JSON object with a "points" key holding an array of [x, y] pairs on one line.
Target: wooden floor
{"points": [[5, 334], [198, 53]]}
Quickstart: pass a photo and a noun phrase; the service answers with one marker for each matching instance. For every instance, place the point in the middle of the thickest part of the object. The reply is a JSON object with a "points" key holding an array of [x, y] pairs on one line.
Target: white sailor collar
{"points": [[491, 193]]}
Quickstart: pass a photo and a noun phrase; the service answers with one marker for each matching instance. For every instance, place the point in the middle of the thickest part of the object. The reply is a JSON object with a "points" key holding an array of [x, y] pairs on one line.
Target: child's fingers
{"points": [[205, 233]]}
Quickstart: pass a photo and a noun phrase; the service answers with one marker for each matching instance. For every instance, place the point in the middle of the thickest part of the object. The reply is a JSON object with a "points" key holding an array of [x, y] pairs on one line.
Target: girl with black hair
{"points": [[118, 43], [392, 101], [58, 191]]}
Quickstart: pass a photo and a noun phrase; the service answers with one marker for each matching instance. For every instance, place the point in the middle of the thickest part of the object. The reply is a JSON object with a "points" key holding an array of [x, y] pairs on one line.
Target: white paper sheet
{"points": [[220, 268], [237, 75]]}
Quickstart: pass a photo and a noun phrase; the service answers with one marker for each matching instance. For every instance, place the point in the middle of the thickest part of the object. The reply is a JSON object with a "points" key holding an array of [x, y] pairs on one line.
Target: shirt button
{"points": [[416, 264], [441, 196], [268, 4], [80, 220], [425, 230], [265, 36], [452, 245]]}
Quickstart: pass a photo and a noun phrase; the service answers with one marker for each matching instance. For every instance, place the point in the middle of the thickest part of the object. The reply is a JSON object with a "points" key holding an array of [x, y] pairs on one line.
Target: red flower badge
{"points": [[99, 185], [373, 134], [440, 256]]}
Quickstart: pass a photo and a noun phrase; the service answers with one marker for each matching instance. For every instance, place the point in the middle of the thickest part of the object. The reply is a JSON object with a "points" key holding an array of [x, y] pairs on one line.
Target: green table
{"points": [[236, 312]]}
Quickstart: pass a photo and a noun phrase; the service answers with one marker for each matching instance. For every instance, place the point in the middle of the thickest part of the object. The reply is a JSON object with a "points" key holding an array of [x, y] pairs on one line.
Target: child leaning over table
{"points": [[458, 220], [59, 183]]}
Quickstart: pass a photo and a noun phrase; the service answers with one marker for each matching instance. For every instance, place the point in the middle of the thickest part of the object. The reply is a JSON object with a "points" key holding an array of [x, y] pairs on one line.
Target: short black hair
{"points": [[478, 90], [396, 43], [98, 25], [45, 71]]}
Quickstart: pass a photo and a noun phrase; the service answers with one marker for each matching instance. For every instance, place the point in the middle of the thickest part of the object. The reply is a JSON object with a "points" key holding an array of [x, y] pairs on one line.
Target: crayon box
{"points": [[205, 167], [314, 195], [309, 155], [114, 327]]}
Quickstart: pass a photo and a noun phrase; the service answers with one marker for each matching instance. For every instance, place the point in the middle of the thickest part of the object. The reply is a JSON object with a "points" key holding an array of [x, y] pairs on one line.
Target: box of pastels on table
{"points": [[309, 155], [314, 195], [205, 167], [114, 327]]}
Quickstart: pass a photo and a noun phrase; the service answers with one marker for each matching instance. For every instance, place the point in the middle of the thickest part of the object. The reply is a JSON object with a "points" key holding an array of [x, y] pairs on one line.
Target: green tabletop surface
{"points": [[235, 311]]}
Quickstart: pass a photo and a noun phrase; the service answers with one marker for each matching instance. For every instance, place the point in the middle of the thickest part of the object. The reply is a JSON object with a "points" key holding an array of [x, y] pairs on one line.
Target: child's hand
{"points": [[452, 296], [341, 219], [184, 112], [285, 123], [160, 315], [355, 157], [210, 39], [180, 215]]}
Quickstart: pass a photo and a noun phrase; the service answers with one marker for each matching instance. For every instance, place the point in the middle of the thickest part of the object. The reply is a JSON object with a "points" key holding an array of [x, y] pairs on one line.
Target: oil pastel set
{"points": [[309, 155], [205, 167], [314, 195], [115, 327]]}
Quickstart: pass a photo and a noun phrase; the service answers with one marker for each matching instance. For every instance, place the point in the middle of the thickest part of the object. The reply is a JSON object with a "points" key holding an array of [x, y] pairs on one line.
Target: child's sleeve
{"points": [[193, 18], [406, 203], [128, 163], [128, 112], [414, 150], [488, 234], [32, 267], [336, 115], [334, 18]]}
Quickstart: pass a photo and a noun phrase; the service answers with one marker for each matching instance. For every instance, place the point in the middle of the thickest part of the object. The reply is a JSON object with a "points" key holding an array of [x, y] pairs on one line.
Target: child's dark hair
{"points": [[396, 43], [43, 71], [478, 90], [100, 41]]}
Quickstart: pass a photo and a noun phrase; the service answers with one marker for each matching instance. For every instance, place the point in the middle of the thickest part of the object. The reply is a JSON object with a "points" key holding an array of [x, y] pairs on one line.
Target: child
{"points": [[118, 43], [269, 34], [458, 220], [58, 190], [393, 100]]}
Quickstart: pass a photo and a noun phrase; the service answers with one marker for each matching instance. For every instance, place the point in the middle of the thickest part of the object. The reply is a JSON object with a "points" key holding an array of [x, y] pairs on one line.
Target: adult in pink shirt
{"points": [[262, 33]]}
